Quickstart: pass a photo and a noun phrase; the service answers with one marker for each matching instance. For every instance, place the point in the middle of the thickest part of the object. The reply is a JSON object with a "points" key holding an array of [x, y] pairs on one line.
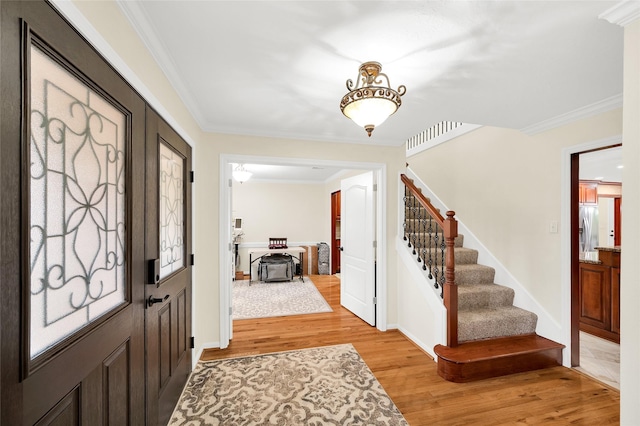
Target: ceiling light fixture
{"points": [[368, 103], [240, 174]]}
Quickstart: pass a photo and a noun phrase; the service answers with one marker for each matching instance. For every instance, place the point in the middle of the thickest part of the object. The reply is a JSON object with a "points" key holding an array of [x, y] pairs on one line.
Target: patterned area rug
{"points": [[261, 300], [329, 385]]}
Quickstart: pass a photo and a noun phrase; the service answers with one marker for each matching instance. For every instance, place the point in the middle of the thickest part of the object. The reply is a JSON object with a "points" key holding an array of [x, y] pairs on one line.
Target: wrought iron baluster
{"points": [[430, 232], [423, 222], [436, 271], [425, 248], [443, 245], [411, 218], [416, 224], [405, 202]]}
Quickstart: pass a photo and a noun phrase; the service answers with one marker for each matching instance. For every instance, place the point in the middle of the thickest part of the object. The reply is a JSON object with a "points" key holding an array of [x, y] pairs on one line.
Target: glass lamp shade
{"points": [[242, 175], [367, 104], [370, 111]]}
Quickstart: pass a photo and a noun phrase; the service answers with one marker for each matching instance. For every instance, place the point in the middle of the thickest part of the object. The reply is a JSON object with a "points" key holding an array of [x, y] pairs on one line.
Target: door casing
{"points": [[226, 252], [568, 286]]}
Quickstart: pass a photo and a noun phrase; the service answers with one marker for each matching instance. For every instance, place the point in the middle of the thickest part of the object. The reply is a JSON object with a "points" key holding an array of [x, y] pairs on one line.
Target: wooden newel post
{"points": [[450, 291]]}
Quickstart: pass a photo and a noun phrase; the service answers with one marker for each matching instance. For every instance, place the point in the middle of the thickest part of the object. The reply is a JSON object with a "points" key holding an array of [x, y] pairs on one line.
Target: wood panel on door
{"points": [[168, 289], [72, 309]]}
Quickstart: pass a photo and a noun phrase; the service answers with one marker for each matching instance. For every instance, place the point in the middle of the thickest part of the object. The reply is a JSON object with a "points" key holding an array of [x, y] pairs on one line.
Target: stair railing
{"points": [[432, 132], [432, 238]]}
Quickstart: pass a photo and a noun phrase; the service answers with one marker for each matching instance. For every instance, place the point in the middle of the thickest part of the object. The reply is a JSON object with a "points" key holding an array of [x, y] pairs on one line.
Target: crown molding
{"points": [[622, 13], [87, 30], [143, 26], [599, 107]]}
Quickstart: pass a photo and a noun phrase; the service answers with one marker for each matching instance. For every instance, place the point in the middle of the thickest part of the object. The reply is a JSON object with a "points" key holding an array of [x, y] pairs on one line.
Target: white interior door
{"points": [[357, 260]]}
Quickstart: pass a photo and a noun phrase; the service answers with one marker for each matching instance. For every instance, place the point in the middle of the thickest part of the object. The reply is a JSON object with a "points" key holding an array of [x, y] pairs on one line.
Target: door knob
{"points": [[153, 300], [341, 248]]}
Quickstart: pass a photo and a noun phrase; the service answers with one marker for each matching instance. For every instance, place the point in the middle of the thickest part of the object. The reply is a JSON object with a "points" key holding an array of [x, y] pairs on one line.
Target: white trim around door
{"points": [[565, 229]]}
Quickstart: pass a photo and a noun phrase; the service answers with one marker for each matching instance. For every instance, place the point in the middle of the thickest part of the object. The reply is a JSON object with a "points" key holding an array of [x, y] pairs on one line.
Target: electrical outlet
{"points": [[553, 227]]}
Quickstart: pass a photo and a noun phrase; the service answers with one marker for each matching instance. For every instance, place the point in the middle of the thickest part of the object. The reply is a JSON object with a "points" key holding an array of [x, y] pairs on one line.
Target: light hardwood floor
{"points": [[600, 359], [553, 396]]}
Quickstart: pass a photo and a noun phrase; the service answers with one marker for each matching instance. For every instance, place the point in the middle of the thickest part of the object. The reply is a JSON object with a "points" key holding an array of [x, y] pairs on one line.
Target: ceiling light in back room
{"points": [[368, 103], [240, 174]]}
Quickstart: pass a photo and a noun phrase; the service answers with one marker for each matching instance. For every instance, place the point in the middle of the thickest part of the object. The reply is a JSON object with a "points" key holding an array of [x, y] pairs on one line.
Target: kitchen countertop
{"points": [[593, 257], [590, 257], [615, 249]]}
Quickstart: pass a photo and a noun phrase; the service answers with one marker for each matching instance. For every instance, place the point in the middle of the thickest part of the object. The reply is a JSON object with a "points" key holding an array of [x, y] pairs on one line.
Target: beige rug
{"points": [[261, 300], [329, 385]]}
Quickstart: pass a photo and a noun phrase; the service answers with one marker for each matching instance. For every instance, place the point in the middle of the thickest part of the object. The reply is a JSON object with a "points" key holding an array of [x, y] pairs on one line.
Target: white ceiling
{"points": [[603, 165], [278, 68], [288, 173]]}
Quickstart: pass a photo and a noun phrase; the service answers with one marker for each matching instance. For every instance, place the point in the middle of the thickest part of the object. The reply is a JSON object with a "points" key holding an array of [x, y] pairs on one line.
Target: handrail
{"points": [[449, 228], [423, 200]]}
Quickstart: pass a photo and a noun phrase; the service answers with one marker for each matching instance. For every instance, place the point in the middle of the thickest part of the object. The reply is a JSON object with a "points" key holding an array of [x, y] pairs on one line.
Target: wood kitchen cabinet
{"points": [[600, 296], [615, 301], [588, 193], [595, 296]]}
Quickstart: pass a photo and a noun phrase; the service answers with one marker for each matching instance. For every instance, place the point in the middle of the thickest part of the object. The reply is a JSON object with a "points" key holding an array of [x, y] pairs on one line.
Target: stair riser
{"points": [[482, 300], [496, 367], [462, 257], [480, 276], [487, 328]]}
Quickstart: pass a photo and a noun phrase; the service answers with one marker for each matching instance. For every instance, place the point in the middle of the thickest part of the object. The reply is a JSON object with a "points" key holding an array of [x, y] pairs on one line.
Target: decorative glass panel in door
{"points": [[77, 204], [171, 214]]}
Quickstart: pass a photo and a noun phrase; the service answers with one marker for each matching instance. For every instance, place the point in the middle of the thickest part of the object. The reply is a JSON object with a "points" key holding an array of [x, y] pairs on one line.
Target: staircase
{"points": [[494, 337]]}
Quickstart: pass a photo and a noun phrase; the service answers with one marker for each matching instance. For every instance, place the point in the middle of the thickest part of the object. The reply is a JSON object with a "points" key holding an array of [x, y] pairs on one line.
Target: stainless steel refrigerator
{"points": [[588, 217]]}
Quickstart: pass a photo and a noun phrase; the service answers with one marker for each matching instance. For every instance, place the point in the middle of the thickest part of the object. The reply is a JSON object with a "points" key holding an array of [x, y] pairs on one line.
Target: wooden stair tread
{"points": [[496, 348], [484, 359]]}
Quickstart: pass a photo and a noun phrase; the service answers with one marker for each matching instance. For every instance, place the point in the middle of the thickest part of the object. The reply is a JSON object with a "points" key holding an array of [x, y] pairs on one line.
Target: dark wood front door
{"points": [[72, 215], [93, 184], [168, 248]]}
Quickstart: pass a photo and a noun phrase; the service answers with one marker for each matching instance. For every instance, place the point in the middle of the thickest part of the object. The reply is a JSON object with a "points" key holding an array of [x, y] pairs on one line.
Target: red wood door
{"points": [[168, 289], [72, 215], [335, 232], [617, 221]]}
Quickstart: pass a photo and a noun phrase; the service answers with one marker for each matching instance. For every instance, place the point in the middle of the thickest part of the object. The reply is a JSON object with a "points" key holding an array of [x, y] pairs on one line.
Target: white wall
{"points": [[630, 267], [421, 313], [296, 211]]}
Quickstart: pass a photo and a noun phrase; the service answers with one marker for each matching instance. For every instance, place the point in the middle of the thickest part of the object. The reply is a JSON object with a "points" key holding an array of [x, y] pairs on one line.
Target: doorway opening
{"points": [[227, 249], [595, 201]]}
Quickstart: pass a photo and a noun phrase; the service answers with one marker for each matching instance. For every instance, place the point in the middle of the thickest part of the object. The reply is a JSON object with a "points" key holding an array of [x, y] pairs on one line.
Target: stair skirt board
{"points": [[484, 359]]}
